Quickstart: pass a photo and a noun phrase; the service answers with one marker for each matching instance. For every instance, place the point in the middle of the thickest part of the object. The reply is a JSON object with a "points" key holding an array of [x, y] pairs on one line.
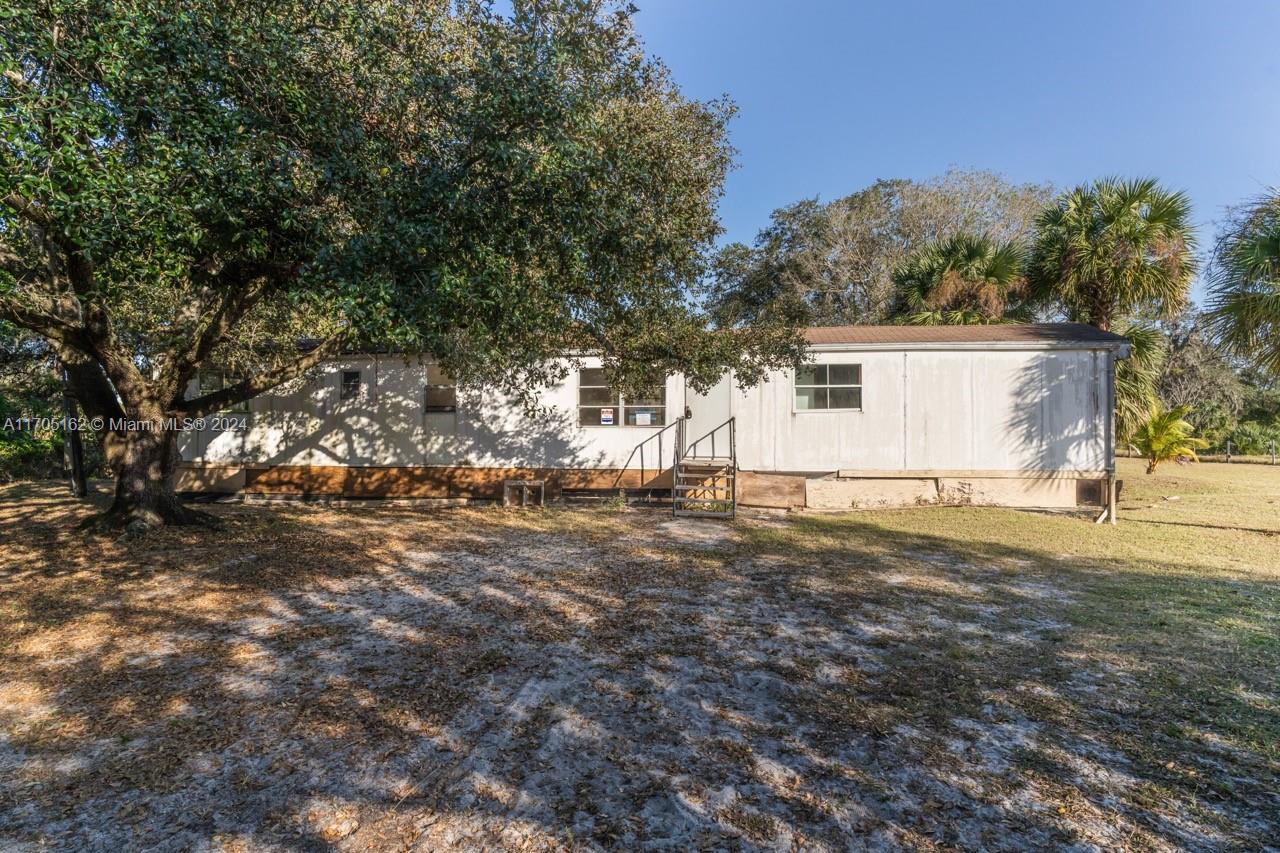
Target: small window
{"points": [[828, 387], [649, 409], [213, 380], [350, 389], [600, 405], [210, 381], [441, 393]]}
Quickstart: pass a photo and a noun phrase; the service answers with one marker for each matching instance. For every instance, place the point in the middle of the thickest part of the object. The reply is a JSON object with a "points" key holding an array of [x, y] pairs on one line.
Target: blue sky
{"points": [[833, 95]]}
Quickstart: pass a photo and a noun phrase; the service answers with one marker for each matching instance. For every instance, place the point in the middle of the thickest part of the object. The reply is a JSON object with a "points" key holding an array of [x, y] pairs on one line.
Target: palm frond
{"points": [[963, 279], [1137, 375], [1112, 247], [1244, 286], [1165, 435]]}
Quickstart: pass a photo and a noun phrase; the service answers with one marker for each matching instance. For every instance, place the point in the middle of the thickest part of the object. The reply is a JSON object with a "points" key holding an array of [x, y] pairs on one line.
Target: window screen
{"points": [[600, 405], [828, 386], [350, 389], [441, 393], [649, 409]]}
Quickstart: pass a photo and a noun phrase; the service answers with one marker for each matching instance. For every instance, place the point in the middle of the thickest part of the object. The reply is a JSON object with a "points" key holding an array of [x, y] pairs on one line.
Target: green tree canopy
{"points": [[1244, 285], [1196, 373], [1114, 247], [833, 263], [202, 181], [961, 280]]}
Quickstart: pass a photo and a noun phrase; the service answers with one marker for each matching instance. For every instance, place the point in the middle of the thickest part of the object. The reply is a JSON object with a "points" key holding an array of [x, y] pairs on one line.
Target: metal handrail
{"points": [[711, 435], [692, 452], [678, 425]]}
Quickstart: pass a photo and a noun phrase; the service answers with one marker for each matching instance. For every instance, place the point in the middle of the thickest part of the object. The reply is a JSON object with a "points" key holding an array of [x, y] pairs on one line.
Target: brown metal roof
{"points": [[994, 333]]}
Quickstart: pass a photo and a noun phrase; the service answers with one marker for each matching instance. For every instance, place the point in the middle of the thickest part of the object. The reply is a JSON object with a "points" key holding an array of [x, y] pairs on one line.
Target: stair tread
{"points": [[705, 486]]}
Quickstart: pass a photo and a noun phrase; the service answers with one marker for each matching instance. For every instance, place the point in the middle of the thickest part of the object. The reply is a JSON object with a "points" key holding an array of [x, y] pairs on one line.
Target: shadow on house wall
{"points": [[310, 441], [1058, 419]]}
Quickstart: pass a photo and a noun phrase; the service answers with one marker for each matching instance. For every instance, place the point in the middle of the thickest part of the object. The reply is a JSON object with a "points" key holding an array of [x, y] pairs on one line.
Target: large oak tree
{"points": [[210, 181]]}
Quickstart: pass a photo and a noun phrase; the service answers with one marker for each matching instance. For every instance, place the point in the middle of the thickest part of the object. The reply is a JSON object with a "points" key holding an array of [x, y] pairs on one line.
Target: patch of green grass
{"points": [[1225, 518], [1174, 613]]}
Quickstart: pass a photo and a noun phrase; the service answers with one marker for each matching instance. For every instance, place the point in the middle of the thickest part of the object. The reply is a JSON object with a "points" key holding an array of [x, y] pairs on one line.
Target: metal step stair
{"points": [[705, 486]]}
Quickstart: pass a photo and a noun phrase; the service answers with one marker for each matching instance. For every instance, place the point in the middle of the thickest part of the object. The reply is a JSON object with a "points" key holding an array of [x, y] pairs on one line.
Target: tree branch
{"points": [[236, 301], [90, 385], [27, 209], [262, 382], [79, 267], [44, 319]]}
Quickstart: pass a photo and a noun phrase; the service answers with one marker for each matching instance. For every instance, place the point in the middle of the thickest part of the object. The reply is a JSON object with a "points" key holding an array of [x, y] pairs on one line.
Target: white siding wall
{"points": [[771, 436], [923, 410], [305, 423]]}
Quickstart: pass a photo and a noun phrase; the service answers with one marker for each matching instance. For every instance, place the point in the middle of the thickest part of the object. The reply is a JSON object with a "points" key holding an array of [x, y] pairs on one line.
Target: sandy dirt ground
{"points": [[391, 678]]}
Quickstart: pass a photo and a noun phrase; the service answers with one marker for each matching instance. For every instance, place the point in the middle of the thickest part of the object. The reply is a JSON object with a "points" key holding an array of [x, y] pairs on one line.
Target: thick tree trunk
{"points": [[93, 391], [140, 449], [135, 420], [145, 461]]}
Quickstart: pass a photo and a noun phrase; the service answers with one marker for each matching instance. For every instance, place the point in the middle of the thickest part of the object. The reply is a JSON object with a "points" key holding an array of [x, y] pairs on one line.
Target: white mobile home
{"points": [[1015, 415]]}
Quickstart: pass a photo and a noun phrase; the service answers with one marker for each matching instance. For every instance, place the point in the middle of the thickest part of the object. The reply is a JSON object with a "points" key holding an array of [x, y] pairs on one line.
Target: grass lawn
{"points": [[394, 678]]}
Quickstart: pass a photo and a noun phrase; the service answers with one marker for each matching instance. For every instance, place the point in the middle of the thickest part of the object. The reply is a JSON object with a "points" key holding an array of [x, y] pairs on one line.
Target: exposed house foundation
{"points": [[838, 490]]}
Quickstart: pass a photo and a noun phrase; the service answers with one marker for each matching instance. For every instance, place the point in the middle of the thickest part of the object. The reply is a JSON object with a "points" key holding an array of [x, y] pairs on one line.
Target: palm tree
{"points": [[1244, 289], [1166, 435], [961, 280], [1102, 251], [1107, 250], [1137, 375]]}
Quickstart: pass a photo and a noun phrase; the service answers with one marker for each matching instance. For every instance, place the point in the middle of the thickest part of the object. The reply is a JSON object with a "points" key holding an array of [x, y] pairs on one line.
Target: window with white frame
{"points": [[441, 394], [600, 405], [829, 387]]}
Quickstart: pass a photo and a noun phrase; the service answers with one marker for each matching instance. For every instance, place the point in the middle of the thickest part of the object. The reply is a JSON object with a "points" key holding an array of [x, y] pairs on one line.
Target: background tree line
{"points": [[970, 247], [960, 248]]}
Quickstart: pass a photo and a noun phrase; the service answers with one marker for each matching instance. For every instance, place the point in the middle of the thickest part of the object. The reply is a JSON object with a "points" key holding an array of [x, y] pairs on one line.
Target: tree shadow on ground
{"points": [[314, 679], [1265, 531]]}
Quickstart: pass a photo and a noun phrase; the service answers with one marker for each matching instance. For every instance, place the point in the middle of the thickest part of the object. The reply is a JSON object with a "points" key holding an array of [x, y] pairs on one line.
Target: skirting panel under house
{"points": [[406, 481], [755, 488]]}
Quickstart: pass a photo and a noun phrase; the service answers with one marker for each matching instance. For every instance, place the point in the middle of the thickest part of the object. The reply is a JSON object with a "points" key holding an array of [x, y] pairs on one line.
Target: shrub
{"points": [[1253, 438], [1166, 436], [25, 456]]}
